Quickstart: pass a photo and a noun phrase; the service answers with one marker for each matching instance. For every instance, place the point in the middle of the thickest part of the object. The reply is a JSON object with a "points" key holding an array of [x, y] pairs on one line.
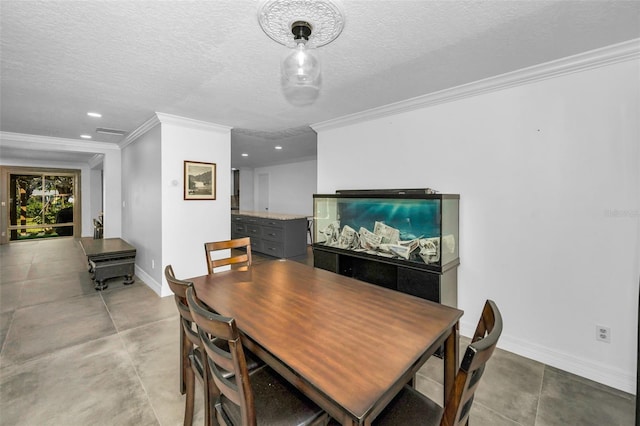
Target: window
{"points": [[41, 205]]}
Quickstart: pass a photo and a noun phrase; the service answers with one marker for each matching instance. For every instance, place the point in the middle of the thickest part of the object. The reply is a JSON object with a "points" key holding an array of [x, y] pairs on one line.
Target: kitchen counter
{"points": [[268, 215]]}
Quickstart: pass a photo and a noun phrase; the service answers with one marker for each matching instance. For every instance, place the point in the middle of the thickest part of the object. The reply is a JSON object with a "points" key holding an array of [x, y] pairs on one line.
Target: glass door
{"points": [[41, 205]]}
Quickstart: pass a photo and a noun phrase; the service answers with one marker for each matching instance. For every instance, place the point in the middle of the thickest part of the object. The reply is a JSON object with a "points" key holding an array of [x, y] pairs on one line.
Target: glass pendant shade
{"points": [[303, 26], [301, 75]]}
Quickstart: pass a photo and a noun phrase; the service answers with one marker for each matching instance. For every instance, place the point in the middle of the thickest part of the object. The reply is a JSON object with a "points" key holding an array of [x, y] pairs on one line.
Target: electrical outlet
{"points": [[153, 264], [603, 334]]}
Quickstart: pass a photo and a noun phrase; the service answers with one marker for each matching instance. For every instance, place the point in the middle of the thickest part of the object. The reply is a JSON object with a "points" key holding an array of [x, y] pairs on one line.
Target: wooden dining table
{"points": [[348, 345]]}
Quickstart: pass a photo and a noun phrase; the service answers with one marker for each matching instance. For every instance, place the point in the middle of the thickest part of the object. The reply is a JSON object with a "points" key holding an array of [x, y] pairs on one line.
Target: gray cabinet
{"points": [[277, 235]]}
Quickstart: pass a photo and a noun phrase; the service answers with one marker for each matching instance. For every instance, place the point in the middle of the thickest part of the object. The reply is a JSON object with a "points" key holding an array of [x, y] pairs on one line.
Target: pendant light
{"points": [[301, 25], [301, 68]]}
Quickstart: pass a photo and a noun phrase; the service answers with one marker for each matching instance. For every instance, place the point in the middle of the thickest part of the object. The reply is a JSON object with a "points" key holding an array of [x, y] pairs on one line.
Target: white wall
{"points": [[142, 204], [291, 187], [95, 194], [112, 196], [188, 224], [543, 171]]}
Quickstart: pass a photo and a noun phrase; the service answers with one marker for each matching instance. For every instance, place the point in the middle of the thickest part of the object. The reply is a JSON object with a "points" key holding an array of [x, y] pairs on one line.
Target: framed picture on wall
{"points": [[199, 180]]}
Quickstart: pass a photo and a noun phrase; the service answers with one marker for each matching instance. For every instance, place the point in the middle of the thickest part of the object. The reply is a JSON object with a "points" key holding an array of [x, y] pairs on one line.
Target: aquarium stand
{"points": [[435, 286]]}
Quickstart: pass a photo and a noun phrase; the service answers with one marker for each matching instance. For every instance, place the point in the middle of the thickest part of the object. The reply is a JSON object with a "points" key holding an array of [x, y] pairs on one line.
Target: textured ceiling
{"points": [[210, 61]]}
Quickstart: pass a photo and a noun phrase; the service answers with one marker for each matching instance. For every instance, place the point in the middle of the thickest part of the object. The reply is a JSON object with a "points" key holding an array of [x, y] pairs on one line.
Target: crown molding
{"points": [[189, 122], [21, 140], [162, 118], [141, 130], [96, 160], [621, 52]]}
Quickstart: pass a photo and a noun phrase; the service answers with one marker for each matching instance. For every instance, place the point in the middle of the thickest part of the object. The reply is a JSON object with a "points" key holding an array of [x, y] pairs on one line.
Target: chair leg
{"points": [[189, 400], [205, 390], [211, 394], [184, 353]]}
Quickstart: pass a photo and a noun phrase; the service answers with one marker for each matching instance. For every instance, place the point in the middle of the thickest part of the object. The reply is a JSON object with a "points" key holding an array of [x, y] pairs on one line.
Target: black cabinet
{"points": [[434, 286]]}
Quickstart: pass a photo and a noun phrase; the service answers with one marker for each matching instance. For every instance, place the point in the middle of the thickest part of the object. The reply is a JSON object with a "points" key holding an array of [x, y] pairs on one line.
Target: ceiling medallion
{"points": [[301, 25], [326, 18]]}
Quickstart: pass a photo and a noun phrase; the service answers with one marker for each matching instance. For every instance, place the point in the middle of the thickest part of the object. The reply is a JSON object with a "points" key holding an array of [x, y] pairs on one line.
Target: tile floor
{"points": [[74, 356]]}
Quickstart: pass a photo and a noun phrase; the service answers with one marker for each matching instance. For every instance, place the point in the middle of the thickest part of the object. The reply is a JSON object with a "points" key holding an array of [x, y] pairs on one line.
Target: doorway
{"points": [[235, 189], [41, 203]]}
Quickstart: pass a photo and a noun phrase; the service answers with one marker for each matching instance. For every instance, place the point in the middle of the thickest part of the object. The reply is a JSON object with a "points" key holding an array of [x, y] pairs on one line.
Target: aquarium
{"points": [[404, 225]]}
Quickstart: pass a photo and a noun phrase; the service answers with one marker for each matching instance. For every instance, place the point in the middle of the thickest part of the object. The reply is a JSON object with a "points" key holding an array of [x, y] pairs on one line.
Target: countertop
{"points": [[268, 215]]}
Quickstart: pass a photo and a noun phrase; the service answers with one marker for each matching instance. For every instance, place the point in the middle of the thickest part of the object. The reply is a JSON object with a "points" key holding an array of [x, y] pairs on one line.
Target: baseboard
{"points": [[150, 282], [601, 373]]}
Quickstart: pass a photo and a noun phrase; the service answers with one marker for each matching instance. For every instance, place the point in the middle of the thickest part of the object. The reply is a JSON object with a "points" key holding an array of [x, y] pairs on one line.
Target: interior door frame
{"points": [[5, 203]]}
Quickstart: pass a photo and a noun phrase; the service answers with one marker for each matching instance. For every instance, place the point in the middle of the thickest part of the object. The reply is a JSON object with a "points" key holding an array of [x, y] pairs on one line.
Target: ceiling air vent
{"points": [[114, 132]]}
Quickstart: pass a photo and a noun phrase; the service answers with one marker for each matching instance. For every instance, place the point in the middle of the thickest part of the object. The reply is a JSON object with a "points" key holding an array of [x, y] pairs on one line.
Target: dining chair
{"points": [[247, 398], [411, 407], [192, 358], [243, 259]]}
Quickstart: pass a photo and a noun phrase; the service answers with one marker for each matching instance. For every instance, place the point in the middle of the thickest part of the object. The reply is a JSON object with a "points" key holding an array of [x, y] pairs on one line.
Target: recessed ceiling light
{"points": [[94, 114], [85, 136], [278, 147], [244, 154]]}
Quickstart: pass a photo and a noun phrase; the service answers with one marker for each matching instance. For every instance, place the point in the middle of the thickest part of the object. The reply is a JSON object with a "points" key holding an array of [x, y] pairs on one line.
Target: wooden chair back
{"points": [[243, 260], [192, 361], [485, 339], [236, 387], [179, 288]]}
